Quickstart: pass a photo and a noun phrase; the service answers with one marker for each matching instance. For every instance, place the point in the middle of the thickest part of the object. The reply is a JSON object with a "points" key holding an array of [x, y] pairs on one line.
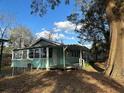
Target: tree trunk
{"points": [[1, 54], [116, 55]]}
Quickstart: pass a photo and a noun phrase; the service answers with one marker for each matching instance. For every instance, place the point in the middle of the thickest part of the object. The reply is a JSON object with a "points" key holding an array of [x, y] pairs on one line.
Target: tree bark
{"points": [[1, 54], [115, 68]]}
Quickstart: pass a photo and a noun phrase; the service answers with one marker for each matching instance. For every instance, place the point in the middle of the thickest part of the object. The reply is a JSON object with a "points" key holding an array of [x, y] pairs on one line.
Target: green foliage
{"points": [[94, 25], [91, 17], [40, 7]]}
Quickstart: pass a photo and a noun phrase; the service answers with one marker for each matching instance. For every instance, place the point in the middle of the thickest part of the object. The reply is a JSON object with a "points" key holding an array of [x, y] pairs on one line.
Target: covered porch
{"points": [[50, 57], [40, 57]]}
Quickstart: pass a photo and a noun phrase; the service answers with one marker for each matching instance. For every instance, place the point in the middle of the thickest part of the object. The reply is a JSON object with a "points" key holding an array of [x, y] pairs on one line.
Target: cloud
{"points": [[67, 26], [45, 34], [62, 30], [70, 38], [56, 30]]}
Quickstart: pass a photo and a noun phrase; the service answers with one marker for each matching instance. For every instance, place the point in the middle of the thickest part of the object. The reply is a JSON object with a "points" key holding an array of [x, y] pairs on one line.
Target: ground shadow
{"points": [[96, 67], [58, 82]]}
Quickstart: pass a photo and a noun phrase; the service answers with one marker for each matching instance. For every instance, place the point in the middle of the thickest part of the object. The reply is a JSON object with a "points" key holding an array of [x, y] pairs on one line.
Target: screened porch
{"points": [[36, 57]]}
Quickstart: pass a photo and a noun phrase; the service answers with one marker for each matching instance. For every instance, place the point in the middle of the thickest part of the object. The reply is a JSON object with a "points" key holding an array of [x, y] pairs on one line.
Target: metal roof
{"points": [[54, 44], [44, 39]]}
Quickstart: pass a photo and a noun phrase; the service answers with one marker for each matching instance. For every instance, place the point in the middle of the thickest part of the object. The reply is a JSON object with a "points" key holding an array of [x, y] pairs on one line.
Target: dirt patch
{"points": [[60, 82]]}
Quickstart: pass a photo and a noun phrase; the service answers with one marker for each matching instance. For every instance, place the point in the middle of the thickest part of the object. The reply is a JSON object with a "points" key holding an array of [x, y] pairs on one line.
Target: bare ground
{"points": [[75, 81]]}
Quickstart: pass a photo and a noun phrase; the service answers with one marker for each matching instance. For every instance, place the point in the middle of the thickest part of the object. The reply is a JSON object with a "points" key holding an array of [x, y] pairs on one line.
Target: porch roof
{"points": [[42, 42], [76, 47]]}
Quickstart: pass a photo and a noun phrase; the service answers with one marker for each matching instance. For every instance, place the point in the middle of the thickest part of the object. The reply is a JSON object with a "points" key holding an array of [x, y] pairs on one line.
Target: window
{"points": [[24, 54], [17, 54], [50, 52], [37, 53], [31, 53], [43, 52], [72, 53], [68, 53]]}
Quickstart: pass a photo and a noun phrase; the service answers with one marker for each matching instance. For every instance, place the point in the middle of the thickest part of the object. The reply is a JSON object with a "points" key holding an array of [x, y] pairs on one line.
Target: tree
{"points": [[114, 10], [94, 25], [5, 25], [21, 37], [115, 15], [50, 35]]}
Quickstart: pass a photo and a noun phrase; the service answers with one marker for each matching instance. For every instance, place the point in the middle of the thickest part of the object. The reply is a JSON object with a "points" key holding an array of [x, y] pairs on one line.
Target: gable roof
{"points": [[45, 40]]}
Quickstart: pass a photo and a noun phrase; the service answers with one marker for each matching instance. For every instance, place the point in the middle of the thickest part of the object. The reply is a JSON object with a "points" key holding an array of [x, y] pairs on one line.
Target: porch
{"points": [[46, 57]]}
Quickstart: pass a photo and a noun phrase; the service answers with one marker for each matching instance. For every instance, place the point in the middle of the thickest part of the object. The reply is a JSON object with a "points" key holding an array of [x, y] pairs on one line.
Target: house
{"points": [[48, 54]]}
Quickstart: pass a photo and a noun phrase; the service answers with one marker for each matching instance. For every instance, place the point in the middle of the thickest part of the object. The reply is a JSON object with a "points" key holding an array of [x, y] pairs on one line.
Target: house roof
{"points": [[50, 43], [46, 40], [76, 47], [4, 40]]}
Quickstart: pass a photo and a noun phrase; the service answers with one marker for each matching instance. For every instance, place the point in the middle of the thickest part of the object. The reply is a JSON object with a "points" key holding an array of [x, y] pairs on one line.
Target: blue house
{"points": [[47, 54]]}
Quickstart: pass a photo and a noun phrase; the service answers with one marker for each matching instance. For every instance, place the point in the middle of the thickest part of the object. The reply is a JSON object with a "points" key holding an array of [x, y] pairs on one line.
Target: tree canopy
{"points": [[91, 17], [21, 37], [98, 18]]}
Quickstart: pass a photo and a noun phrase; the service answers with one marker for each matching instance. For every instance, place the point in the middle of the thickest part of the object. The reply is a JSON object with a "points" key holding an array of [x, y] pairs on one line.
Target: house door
{"points": [[55, 58]]}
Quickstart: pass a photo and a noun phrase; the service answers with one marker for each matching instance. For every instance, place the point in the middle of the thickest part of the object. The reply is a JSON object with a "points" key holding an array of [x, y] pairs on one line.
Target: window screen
{"points": [[31, 53], [17, 54]]}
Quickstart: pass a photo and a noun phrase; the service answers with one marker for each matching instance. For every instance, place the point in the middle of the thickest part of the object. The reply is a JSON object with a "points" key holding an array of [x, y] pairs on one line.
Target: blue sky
{"points": [[54, 20]]}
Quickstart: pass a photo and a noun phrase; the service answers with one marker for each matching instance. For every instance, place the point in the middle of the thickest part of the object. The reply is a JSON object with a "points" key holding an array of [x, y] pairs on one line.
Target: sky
{"points": [[54, 21]]}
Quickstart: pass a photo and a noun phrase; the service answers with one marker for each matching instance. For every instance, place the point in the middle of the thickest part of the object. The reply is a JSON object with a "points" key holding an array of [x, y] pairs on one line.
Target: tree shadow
{"points": [[58, 82], [106, 81], [21, 83], [70, 82]]}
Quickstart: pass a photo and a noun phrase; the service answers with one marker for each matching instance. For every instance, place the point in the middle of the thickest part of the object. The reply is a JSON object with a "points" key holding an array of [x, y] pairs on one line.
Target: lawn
{"points": [[56, 81]]}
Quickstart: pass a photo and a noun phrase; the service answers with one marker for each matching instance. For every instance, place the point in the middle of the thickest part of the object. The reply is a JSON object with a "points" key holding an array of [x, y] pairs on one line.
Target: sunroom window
{"points": [[72, 53], [17, 55], [37, 53], [31, 53], [24, 54], [43, 52]]}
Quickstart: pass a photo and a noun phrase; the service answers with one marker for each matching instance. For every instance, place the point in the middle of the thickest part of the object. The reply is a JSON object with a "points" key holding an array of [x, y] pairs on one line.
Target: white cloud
{"points": [[69, 38], [56, 30], [79, 26], [61, 31], [46, 34], [65, 25]]}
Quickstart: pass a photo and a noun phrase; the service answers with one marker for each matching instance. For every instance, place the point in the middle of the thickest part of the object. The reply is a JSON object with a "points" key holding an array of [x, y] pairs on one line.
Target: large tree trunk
{"points": [[116, 55]]}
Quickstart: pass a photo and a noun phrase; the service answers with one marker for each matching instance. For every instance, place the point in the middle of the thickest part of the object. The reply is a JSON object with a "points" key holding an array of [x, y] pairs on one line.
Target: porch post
{"points": [[39, 52], [80, 53], [47, 58], [12, 63], [27, 53], [64, 57], [80, 59], [22, 54], [12, 55]]}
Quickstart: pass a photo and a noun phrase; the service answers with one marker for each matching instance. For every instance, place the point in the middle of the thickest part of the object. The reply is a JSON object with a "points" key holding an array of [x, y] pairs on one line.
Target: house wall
{"points": [[35, 62], [56, 61]]}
